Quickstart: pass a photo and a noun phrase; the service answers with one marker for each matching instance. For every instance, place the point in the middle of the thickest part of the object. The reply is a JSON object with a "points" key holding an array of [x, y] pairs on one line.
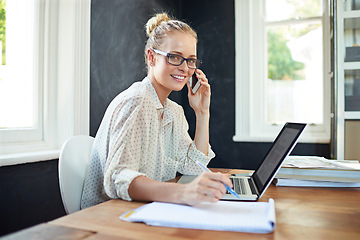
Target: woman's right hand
{"points": [[208, 187]]}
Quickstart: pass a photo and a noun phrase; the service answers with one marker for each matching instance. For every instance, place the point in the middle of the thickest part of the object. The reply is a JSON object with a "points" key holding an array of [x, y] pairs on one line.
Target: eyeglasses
{"points": [[177, 60]]}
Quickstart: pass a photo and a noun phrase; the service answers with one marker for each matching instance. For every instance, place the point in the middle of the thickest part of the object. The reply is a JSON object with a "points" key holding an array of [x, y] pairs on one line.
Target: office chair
{"points": [[73, 164]]}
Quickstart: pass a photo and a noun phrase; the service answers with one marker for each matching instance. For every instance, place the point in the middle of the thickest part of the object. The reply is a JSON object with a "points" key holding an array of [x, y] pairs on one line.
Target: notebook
{"points": [[252, 187], [254, 217]]}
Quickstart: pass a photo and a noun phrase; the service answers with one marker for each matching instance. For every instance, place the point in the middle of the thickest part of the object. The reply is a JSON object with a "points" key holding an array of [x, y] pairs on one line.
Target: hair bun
{"points": [[156, 21]]}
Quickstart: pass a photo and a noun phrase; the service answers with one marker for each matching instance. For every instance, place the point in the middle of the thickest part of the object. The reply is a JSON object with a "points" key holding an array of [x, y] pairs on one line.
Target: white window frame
{"points": [[63, 68], [251, 71]]}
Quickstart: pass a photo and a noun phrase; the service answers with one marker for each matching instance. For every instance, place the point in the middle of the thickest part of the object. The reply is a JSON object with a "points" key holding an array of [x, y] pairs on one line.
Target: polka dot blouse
{"points": [[133, 139]]}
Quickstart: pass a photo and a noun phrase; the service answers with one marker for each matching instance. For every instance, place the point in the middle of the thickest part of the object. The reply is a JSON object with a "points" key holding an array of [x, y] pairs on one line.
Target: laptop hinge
{"points": [[253, 187]]}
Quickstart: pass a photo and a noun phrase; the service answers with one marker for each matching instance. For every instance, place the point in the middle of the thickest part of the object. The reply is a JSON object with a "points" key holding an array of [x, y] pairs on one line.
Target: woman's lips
{"points": [[178, 78]]}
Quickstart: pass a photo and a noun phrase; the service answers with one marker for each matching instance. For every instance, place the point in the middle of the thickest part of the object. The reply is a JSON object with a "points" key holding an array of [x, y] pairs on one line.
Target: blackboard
{"points": [[117, 48]]}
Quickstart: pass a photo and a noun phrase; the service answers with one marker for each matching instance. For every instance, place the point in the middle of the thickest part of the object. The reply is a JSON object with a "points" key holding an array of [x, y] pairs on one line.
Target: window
{"points": [[20, 101], [43, 100], [282, 68]]}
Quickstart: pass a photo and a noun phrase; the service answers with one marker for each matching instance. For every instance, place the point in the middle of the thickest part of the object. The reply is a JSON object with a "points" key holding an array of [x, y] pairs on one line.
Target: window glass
{"points": [[18, 91], [294, 84], [278, 10], [352, 90], [351, 5]]}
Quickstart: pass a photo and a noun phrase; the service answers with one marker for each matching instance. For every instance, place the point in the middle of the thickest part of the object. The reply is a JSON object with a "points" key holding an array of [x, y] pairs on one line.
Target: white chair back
{"points": [[73, 165]]}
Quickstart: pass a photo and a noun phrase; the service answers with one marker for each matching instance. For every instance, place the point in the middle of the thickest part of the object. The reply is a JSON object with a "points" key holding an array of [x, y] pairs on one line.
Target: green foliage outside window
{"points": [[3, 29], [281, 65]]}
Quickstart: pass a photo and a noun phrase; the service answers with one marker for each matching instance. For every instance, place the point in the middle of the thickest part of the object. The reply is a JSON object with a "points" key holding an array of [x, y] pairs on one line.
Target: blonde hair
{"points": [[161, 25]]}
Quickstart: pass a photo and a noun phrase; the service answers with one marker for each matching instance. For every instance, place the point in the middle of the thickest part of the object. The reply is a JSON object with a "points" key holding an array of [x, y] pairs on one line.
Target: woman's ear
{"points": [[150, 57]]}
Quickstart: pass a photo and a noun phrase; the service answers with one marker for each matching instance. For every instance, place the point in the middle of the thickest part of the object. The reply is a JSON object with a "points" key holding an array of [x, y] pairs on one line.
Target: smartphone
{"points": [[194, 83]]}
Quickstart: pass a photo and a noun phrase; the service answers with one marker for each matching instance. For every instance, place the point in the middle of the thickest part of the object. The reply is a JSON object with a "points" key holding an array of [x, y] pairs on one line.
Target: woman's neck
{"points": [[161, 91]]}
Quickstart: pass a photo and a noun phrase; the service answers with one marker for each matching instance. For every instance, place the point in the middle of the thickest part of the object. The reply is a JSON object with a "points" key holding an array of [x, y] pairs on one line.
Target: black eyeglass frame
{"points": [[167, 55]]}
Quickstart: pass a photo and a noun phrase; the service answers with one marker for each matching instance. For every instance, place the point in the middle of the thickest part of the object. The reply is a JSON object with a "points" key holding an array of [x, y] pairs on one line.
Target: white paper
{"points": [[255, 217], [319, 162]]}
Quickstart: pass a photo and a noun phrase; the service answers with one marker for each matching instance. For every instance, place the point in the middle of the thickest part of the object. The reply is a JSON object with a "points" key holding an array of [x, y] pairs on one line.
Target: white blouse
{"points": [[134, 140]]}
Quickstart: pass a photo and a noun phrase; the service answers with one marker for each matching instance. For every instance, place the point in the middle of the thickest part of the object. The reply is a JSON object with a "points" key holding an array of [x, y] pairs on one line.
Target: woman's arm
{"points": [[202, 132], [208, 187]]}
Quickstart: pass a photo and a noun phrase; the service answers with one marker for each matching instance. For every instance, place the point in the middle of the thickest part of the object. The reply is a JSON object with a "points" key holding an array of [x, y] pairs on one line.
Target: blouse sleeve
{"points": [[189, 153], [123, 161]]}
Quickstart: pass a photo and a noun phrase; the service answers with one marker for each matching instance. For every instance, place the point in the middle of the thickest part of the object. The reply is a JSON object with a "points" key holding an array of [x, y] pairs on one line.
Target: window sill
{"points": [[28, 157]]}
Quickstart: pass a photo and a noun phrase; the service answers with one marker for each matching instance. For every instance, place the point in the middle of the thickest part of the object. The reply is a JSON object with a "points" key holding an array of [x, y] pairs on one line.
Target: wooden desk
{"points": [[301, 213]]}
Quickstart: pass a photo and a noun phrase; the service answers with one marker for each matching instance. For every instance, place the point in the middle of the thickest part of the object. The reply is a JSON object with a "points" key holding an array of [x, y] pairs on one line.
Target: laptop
{"points": [[251, 188]]}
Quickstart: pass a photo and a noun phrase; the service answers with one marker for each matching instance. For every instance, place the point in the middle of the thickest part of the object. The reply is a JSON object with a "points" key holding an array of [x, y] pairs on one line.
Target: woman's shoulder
{"points": [[129, 99], [134, 93]]}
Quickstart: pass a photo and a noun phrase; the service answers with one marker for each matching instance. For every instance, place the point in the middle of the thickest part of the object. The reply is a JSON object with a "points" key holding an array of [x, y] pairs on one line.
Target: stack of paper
{"points": [[319, 162], [308, 171], [255, 217]]}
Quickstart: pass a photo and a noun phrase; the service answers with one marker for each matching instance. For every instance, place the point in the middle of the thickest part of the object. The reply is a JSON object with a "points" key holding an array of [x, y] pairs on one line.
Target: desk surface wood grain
{"points": [[301, 213], [46, 231]]}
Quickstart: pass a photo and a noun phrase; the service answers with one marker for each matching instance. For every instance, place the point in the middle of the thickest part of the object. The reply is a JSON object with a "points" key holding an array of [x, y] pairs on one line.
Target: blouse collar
{"points": [[162, 110]]}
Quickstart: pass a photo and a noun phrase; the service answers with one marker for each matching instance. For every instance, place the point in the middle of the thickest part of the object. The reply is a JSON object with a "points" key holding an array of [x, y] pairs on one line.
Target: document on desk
{"points": [[254, 217]]}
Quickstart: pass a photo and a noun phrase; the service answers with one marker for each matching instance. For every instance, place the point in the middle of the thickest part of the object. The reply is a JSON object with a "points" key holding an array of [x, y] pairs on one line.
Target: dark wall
{"points": [[117, 48], [118, 39], [29, 195]]}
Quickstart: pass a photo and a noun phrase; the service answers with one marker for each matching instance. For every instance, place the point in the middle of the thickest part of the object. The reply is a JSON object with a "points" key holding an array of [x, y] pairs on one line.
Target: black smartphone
{"points": [[194, 83]]}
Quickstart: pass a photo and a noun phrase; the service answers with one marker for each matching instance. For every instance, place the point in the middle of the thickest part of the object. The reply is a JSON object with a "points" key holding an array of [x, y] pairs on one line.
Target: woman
{"points": [[143, 140]]}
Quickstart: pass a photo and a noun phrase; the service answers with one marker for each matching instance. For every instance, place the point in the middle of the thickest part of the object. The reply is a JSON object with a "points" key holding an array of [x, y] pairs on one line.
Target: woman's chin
{"points": [[178, 87]]}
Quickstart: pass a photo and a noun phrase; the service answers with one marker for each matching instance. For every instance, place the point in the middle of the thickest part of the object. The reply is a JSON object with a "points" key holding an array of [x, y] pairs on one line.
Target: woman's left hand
{"points": [[200, 101]]}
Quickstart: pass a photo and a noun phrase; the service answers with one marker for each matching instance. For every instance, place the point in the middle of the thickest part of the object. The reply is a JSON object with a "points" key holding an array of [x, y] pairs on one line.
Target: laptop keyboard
{"points": [[239, 185]]}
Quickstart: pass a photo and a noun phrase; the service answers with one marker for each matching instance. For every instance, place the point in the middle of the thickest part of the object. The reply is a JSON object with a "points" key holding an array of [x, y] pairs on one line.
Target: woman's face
{"points": [[169, 77]]}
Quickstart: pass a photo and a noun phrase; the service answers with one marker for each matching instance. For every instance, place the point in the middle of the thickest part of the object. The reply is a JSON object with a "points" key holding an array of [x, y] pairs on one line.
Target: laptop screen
{"points": [[281, 147]]}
